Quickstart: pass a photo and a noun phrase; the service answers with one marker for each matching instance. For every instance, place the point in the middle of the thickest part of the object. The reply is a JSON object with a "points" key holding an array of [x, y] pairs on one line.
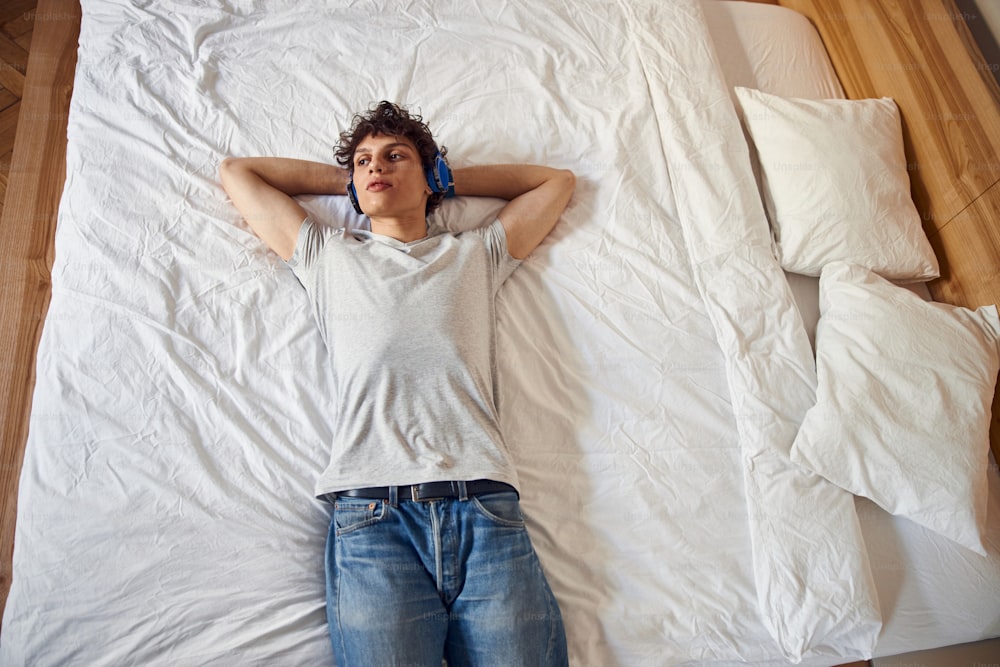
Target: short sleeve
{"points": [[310, 242], [309, 248], [503, 264]]}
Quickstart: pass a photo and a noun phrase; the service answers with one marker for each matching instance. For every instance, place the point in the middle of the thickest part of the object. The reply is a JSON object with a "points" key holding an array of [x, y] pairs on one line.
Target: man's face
{"points": [[389, 176]]}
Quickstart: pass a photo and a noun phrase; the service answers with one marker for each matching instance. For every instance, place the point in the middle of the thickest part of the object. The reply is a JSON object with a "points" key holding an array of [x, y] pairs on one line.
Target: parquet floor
{"points": [[17, 18]]}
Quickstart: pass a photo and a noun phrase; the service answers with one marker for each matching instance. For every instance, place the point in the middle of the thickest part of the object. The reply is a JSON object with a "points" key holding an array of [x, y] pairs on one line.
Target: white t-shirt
{"points": [[411, 333]]}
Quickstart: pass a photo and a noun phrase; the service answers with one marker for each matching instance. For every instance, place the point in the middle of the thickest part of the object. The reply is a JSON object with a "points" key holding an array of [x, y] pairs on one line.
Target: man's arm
{"points": [[262, 189], [536, 196]]}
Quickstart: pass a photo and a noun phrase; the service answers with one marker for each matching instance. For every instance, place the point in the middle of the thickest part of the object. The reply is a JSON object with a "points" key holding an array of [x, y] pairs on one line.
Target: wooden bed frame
{"points": [[918, 52]]}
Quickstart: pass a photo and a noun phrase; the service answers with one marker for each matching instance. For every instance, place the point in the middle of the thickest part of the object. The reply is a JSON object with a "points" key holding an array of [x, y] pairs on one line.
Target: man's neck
{"points": [[404, 230]]}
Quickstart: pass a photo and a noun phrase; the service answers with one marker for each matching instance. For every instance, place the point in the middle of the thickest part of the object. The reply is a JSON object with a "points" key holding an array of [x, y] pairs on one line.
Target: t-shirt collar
{"points": [[433, 229]]}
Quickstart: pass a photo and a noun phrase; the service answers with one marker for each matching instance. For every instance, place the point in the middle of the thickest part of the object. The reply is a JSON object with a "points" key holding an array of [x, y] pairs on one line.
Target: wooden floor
{"points": [[37, 94], [17, 18]]}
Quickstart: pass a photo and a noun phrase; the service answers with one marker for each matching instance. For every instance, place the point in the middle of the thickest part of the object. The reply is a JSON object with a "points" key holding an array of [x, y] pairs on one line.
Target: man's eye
{"points": [[362, 161]]}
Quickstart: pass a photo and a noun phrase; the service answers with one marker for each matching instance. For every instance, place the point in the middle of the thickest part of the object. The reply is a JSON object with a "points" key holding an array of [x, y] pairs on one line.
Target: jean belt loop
{"points": [[463, 491], [394, 496]]}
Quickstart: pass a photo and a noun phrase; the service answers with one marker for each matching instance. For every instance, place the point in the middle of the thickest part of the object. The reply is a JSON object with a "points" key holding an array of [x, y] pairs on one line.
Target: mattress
{"points": [[180, 416]]}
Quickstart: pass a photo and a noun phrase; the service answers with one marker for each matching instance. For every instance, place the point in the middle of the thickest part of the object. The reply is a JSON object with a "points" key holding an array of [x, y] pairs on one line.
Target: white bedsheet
{"points": [[180, 420]]}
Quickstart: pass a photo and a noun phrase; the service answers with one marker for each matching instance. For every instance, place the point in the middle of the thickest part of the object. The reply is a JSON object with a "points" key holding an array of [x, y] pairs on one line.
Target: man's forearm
{"points": [[294, 177], [504, 181], [536, 197]]}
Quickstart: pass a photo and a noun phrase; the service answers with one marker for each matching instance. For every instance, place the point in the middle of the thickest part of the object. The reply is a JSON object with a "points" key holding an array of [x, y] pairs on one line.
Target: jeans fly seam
{"points": [[432, 508]]}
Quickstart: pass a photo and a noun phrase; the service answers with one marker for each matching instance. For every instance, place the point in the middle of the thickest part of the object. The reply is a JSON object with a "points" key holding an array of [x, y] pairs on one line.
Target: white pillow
{"points": [[836, 186], [903, 401]]}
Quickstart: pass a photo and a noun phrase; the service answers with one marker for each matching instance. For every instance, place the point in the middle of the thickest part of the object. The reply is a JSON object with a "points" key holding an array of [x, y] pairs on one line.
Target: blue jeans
{"points": [[415, 582]]}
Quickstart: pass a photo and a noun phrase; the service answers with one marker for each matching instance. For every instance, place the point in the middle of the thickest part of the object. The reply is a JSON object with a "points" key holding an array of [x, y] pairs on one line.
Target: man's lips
{"points": [[378, 186]]}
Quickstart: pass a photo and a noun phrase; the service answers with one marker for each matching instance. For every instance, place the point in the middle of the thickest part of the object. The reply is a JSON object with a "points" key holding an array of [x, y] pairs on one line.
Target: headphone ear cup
{"points": [[439, 175], [352, 194]]}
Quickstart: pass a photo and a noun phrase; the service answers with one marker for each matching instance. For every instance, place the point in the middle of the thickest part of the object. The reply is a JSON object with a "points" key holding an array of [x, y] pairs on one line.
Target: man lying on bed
{"points": [[427, 554]]}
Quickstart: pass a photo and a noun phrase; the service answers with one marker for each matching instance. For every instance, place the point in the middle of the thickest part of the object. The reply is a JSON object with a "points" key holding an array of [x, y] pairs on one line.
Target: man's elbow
{"points": [[567, 183], [227, 167], [568, 179], [232, 172]]}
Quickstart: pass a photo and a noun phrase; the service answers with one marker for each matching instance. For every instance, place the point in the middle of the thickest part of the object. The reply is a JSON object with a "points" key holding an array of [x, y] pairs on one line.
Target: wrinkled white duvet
{"points": [[653, 365]]}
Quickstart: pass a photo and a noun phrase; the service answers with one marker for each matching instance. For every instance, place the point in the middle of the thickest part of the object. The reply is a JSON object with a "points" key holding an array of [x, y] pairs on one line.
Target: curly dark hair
{"points": [[386, 118]]}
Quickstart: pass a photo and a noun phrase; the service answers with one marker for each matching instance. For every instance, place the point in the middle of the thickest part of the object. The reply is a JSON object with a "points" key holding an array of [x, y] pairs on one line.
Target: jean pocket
{"points": [[350, 514], [500, 508]]}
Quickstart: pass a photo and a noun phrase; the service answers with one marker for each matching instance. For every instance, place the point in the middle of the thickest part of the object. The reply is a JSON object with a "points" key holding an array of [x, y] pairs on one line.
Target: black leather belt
{"points": [[429, 490]]}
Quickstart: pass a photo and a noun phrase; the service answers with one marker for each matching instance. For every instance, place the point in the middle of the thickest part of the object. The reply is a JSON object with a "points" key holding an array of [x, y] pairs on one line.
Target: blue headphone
{"points": [[438, 178]]}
